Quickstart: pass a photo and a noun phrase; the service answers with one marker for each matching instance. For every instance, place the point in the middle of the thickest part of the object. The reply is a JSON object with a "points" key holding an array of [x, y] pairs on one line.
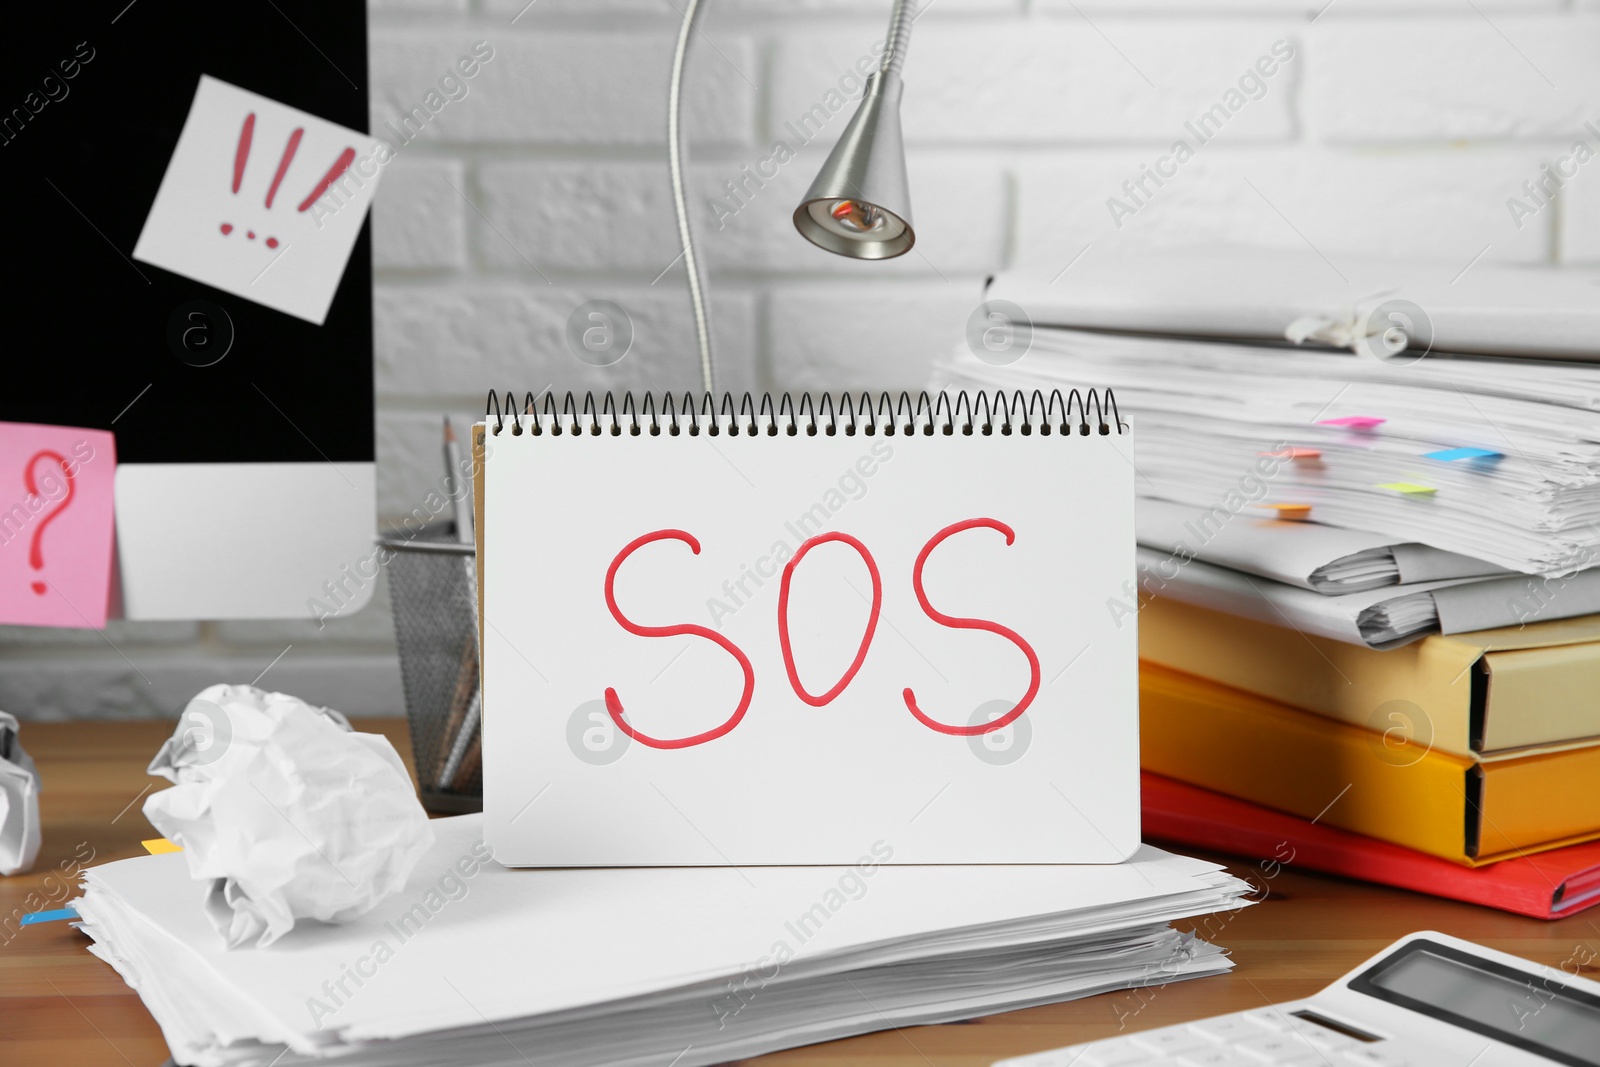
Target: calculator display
{"points": [[1525, 1010]]}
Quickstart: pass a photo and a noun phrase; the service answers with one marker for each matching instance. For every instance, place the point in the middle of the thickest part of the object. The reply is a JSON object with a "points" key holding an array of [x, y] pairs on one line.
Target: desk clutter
{"points": [[832, 716], [1368, 608], [767, 699]]}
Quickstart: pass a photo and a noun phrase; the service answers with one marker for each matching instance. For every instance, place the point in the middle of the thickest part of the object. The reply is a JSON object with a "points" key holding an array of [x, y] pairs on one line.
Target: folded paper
{"points": [[286, 811], [1327, 559]]}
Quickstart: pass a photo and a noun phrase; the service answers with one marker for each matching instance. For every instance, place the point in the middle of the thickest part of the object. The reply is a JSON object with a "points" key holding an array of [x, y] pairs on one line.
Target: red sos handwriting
{"points": [[614, 702]]}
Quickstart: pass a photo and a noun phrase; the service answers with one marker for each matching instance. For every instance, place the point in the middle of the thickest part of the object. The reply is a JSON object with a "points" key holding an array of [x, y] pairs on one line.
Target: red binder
{"points": [[1547, 885]]}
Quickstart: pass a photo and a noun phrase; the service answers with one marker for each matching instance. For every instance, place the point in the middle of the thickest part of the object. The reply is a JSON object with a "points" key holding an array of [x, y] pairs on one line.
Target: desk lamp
{"points": [[858, 206]]}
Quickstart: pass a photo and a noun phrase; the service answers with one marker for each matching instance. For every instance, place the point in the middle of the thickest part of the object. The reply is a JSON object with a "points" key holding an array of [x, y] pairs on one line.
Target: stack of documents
{"points": [[1369, 524], [1497, 459], [475, 963], [1349, 585]]}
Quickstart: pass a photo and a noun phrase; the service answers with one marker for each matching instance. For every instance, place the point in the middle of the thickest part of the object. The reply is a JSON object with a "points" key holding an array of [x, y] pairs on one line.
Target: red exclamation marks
{"points": [[283, 164], [241, 155], [340, 165]]}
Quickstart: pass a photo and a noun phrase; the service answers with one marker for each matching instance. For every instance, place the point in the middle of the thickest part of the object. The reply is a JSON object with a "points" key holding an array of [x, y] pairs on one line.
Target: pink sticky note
{"points": [[1355, 422], [56, 524]]}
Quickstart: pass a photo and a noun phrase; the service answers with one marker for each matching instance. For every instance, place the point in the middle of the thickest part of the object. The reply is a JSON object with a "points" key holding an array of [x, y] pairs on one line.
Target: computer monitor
{"points": [[244, 436]]}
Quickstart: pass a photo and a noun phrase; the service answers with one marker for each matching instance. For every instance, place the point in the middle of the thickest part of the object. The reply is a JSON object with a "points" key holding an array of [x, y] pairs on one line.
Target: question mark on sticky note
{"points": [[35, 551]]}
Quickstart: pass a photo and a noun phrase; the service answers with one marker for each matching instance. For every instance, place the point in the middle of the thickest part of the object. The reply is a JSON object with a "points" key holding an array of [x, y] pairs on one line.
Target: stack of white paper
{"points": [[1236, 291], [1445, 492], [474, 963]]}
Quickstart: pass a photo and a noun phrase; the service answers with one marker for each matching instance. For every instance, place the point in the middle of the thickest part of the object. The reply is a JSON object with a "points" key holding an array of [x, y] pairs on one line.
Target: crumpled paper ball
{"points": [[19, 802], [286, 811]]}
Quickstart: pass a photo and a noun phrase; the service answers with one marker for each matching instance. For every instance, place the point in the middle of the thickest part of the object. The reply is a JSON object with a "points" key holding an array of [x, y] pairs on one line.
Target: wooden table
{"points": [[61, 1006]]}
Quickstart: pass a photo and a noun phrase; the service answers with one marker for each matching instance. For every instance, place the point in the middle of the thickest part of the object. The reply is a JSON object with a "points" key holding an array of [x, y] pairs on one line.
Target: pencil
{"points": [[462, 719]]}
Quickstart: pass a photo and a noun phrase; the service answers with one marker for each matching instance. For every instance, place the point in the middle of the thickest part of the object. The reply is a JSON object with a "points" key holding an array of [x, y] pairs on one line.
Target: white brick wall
{"points": [[1399, 126]]}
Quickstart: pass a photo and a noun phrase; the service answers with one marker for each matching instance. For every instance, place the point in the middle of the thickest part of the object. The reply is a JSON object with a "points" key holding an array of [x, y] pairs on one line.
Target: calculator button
{"points": [[1279, 1048], [1071, 1056], [1117, 1053], [1320, 1037], [1174, 1039], [1227, 1028], [1216, 1056], [1266, 1018], [1056, 1057], [1372, 1057]]}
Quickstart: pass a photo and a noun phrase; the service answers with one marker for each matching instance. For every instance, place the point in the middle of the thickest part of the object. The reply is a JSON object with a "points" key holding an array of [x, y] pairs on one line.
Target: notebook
{"points": [[761, 633]]}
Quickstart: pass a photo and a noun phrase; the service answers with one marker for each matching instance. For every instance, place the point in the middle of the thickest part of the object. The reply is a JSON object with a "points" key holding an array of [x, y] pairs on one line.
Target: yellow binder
{"points": [[1482, 695]]}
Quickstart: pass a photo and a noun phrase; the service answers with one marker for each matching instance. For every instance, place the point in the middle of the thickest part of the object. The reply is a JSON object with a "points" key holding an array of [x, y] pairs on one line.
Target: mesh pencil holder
{"points": [[433, 581]]}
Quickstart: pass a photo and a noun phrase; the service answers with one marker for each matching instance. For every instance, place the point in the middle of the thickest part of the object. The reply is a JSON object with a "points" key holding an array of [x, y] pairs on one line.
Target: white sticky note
{"points": [[261, 200]]}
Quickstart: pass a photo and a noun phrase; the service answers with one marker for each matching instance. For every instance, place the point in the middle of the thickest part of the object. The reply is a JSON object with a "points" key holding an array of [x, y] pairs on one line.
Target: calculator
{"points": [[1425, 1001]]}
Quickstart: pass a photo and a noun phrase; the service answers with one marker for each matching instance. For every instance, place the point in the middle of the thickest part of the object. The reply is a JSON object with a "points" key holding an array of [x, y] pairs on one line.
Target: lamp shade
{"points": [[860, 204]]}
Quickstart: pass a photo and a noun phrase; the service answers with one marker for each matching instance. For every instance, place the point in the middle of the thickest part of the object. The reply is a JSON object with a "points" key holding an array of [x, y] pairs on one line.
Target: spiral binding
{"points": [[967, 413]]}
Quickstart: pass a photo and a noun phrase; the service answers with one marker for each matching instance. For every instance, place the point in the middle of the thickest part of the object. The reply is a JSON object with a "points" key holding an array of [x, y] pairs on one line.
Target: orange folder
{"points": [[1449, 806]]}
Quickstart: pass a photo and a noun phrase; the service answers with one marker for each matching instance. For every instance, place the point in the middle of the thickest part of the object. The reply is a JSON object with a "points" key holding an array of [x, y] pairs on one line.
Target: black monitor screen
{"points": [[93, 96]]}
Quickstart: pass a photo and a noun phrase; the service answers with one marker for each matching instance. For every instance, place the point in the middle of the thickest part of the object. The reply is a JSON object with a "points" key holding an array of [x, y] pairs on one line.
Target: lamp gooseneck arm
{"points": [[691, 263], [898, 38]]}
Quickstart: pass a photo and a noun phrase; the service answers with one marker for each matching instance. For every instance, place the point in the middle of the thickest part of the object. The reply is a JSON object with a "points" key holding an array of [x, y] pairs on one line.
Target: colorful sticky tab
{"points": [[49, 916], [1290, 511], [1409, 488], [1355, 422], [1294, 453], [1448, 455], [158, 846], [56, 485]]}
